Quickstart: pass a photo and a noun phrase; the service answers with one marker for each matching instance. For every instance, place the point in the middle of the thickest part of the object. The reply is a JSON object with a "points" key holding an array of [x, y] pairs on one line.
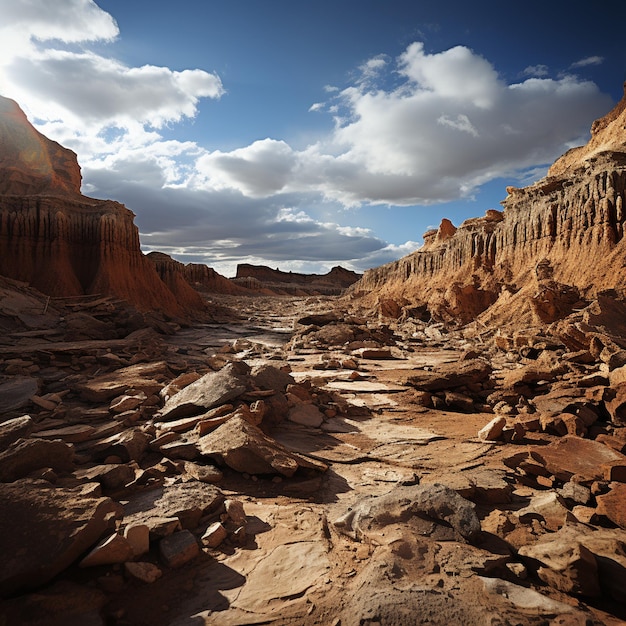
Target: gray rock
{"points": [[16, 392], [213, 389], [407, 505], [178, 549]]}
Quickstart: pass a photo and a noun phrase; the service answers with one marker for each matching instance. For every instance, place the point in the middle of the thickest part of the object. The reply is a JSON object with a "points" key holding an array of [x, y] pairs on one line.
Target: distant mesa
{"points": [[263, 278]]}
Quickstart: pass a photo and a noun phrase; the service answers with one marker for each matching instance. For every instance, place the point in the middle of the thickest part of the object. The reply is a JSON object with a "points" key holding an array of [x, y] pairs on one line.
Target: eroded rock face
{"points": [[573, 219], [62, 242]]}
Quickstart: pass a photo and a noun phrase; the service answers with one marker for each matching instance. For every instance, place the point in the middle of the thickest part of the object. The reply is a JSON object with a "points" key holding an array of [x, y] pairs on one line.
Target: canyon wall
{"points": [[571, 221], [64, 243]]}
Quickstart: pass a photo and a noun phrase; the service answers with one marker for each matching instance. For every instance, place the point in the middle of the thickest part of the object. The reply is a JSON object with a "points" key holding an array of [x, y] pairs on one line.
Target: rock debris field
{"points": [[298, 461]]}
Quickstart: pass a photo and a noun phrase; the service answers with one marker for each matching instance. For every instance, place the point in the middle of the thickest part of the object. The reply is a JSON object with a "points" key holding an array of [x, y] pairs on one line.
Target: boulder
{"points": [[37, 547], [451, 375], [245, 448], [213, 389], [16, 392], [28, 455], [14, 429], [421, 508], [184, 502]]}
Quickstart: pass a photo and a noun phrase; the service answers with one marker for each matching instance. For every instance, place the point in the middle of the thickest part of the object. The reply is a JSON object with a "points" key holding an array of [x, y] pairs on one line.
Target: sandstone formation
{"points": [[570, 223], [64, 243], [267, 280]]}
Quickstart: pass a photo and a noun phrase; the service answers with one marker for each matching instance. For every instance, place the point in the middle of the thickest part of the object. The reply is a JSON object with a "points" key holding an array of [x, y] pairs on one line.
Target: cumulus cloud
{"points": [[421, 129]]}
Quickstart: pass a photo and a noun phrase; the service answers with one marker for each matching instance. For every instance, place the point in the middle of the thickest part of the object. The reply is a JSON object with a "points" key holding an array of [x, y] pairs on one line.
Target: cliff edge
{"points": [[556, 243], [64, 243]]}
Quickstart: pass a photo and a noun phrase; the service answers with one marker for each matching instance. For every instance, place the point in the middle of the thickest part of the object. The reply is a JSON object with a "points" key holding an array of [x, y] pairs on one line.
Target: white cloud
{"points": [[593, 60], [449, 124], [538, 71]]}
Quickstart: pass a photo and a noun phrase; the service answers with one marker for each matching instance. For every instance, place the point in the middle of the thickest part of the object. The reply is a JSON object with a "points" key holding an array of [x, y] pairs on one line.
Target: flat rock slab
{"points": [[16, 392], [363, 386], [44, 529], [187, 502], [451, 375], [570, 455], [213, 389], [146, 377], [245, 448], [291, 568]]}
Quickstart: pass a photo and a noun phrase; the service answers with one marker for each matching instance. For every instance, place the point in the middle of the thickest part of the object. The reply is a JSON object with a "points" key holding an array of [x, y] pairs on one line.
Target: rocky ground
{"points": [[301, 461]]}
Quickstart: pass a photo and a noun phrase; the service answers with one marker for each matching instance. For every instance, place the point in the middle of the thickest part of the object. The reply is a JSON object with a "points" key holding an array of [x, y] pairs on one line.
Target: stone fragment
{"points": [[493, 430], [451, 375], [549, 507], [138, 537], [613, 504], [235, 511], [180, 382], [110, 476], [129, 445], [186, 502], [214, 535], [141, 377], [269, 377], [306, 415], [213, 389], [70, 434], [564, 564], [526, 599], [16, 392], [204, 473], [14, 429], [373, 353], [616, 404], [28, 455], [411, 504], [179, 548], [245, 448], [125, 403], [35, 548], [113, 549], [144, 572], [569, 456]]}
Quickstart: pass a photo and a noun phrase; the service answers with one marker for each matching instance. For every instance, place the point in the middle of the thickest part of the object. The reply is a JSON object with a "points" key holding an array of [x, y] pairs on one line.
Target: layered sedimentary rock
{"points": [[205, 278], [571, 222], [60, 241], [262, 278]]}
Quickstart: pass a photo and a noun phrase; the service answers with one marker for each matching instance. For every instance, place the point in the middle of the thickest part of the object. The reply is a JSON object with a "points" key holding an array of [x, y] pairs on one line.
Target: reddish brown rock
{"points": [[35, 548], [61, 242], [613, 504], [573, 218]]}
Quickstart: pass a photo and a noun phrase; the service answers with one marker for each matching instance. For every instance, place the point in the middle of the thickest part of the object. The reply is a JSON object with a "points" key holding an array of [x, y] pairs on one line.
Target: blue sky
{"points": [[304, 135]]}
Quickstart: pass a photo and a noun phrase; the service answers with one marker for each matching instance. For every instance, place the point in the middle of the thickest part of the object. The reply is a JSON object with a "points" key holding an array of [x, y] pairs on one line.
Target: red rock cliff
{"points": [[573, 220], [60, 241]]}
